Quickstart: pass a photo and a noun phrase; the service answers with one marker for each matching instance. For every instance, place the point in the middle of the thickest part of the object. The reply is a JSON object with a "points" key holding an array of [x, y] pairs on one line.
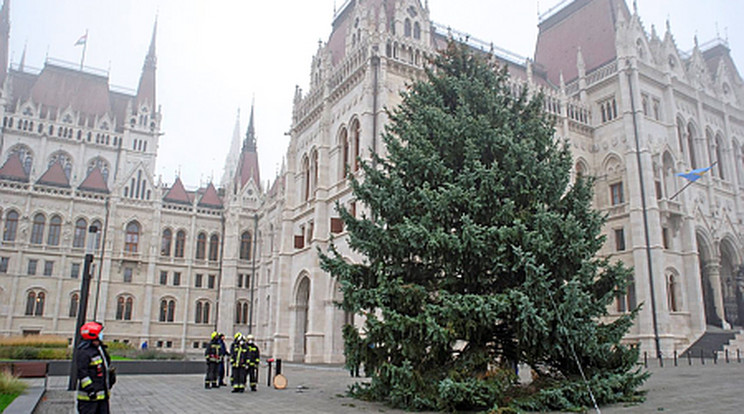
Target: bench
{"points": [[26, 369]]}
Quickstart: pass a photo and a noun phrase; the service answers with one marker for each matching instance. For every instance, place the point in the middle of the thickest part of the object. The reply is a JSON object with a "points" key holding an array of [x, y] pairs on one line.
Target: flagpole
{"points": [[85, 46], [690, 183]]}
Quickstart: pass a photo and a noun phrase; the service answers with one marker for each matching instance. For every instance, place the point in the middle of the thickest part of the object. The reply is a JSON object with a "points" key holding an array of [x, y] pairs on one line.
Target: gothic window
{"points": [[314, 171], [719, 157], [681, 135], [37, 229], [124, 306], [644, 104], [639, 48], [97, 224], [202, 312], [625, 301], [657, 109], [673, 291], [691, 135], [344, 142], [180, 243], [241, 313], [355, 143], [74, 305], [165, 243], [416, 31], [619, 240], [55, 228], [78, 239], [214, 247], [131, 238], [245, 246], [35, 303], [608, 109], [201, 246], [616, 194], [306, 178], [407, 28], [167, 310], [11, 226]]}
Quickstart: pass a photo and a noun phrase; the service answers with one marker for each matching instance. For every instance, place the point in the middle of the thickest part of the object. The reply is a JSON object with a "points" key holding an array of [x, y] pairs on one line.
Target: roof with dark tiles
{"points": [[210, 198], [55, 176], [13, 169], [177, 193], [94, 182]]}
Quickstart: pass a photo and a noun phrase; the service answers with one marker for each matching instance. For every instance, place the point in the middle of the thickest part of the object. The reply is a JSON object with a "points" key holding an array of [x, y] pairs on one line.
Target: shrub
{"points": [[118, 346], [35, 341], [10, 384]]}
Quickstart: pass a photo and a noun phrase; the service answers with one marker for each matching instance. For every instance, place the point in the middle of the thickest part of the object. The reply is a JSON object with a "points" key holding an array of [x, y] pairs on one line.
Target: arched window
{"points": [[719, 157], [305, 178], [691, 135], [672, 297], [626, 301], [131, 239], [64, 160], [344, 141], [313, 171], [241, 313], [245, 246], [355, 143], [202, 312], [97, 224], [81, 227], [167, 310], [180, 243], [416, 31], [11, 226], [165, 243], [214, 247], [407, 28], [681, 135], [35, 303], [124, 305], [74, 305], [37, 230], [55, 228], [201, 246]]}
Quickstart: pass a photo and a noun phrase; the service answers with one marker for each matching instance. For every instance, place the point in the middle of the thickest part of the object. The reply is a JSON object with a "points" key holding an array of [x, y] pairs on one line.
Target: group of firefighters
{"points": [[244, 358]]}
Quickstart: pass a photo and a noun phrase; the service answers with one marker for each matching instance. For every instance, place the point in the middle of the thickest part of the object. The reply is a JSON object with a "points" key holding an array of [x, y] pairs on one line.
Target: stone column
{"points": [[713, 272]]}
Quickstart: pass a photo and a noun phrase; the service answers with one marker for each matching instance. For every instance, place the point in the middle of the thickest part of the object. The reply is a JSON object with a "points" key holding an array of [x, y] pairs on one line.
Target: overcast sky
{"points": [[215, 56]]}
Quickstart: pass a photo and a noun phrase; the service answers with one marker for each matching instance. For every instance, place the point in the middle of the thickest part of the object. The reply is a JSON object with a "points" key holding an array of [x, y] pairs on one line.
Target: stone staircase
{"points": [[734, 345], [714, 340]]}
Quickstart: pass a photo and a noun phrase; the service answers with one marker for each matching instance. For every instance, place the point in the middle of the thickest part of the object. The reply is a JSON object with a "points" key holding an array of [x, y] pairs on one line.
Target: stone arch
{"points": [[709, 278], [668, 175], [731, 285], [301, 313], [674, 290]]}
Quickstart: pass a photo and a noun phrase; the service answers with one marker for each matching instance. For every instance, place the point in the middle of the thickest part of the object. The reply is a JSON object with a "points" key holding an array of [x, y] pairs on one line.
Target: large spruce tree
{"points": [[479, 254]]}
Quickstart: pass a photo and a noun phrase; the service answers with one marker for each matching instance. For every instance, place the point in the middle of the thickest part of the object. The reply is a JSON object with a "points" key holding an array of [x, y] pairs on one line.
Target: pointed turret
{"points": [[4, 40], [146, 89], [233, 154], [248, 168], [22, 64]]}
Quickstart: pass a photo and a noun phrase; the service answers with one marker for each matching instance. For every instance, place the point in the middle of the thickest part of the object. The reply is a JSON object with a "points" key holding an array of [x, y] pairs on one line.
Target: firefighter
{"points": [[212, 354], [239, 363], [221, 365], [94, 372], [253, 359]]}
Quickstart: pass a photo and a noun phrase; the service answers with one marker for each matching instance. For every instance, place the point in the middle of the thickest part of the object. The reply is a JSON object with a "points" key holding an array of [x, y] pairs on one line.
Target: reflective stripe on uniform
{"points": [[100, 395], [96, 361], [85, 382]]}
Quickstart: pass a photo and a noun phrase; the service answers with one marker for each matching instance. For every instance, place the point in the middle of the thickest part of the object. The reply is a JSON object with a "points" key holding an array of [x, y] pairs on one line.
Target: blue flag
{"points": [[695, 175]]}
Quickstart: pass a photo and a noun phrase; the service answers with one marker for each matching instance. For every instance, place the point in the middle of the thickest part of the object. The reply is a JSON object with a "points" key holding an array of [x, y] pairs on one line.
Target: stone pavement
{"points": [[710, 389]]}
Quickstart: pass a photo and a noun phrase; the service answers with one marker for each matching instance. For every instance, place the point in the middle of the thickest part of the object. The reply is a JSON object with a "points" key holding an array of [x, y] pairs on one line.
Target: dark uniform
{"points": [[212, 355], [221, 365], [239, 363], [95, 377], [253, 360]]}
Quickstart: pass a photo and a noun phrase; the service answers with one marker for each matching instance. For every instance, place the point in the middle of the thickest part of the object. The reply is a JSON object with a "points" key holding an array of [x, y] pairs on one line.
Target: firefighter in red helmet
{"points": [[94, 372]]}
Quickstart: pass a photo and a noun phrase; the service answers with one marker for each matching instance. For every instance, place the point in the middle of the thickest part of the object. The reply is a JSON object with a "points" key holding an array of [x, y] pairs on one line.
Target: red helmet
{"points": [[91, 330]]}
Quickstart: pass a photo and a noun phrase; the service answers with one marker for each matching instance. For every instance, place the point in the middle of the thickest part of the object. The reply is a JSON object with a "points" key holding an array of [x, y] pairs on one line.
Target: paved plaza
{"points": [[710, 389]]}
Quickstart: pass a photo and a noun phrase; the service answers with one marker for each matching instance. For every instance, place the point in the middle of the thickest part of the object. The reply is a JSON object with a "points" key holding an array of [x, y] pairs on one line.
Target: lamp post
{"points": [[83, 306]]}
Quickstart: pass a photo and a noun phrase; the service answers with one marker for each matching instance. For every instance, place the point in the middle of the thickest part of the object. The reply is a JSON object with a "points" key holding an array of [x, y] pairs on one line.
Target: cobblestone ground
{"points": [[696, 389]]}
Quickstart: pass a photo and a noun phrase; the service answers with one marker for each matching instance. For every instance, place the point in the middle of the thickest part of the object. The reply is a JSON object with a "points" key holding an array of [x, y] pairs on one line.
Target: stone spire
{"points": [[146, 89]]}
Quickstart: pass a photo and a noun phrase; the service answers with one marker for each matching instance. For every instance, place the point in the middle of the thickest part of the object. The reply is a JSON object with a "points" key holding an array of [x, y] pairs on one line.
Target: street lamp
{"points": [[83, 306]]}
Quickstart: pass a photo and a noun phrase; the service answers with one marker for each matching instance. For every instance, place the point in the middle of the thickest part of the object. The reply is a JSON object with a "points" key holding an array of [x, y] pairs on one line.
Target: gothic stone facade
{"points": [[175, 264]]}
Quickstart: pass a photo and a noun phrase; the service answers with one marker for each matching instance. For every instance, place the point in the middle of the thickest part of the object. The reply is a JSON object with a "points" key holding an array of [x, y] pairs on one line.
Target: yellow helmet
{"points": [[214, 334], [238, 336], [249, 337]]}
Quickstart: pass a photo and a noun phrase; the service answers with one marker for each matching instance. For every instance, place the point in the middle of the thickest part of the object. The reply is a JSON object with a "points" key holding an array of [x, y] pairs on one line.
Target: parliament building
{"points": [[174, 262]]}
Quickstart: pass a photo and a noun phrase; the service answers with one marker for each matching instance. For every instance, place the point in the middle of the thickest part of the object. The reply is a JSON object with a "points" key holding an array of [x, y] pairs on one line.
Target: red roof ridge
{"points": [[177, 193], [13, 169], [210, 198], [55, 176], [94, 182]]}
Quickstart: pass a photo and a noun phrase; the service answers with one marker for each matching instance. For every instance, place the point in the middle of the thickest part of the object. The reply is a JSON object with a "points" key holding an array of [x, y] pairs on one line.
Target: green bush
{"points": [[24, 352], [119, 346], [34, 341], [159, 355], [54, 353]]}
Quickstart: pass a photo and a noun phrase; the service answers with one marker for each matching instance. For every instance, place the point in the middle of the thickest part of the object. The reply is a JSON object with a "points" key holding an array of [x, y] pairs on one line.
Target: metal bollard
{"points": [[726, 354], [702, 357], [278, 369], [715, 357], [268, 376], [675, 357], [689, 357], [738, 356], [645, 359]]}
